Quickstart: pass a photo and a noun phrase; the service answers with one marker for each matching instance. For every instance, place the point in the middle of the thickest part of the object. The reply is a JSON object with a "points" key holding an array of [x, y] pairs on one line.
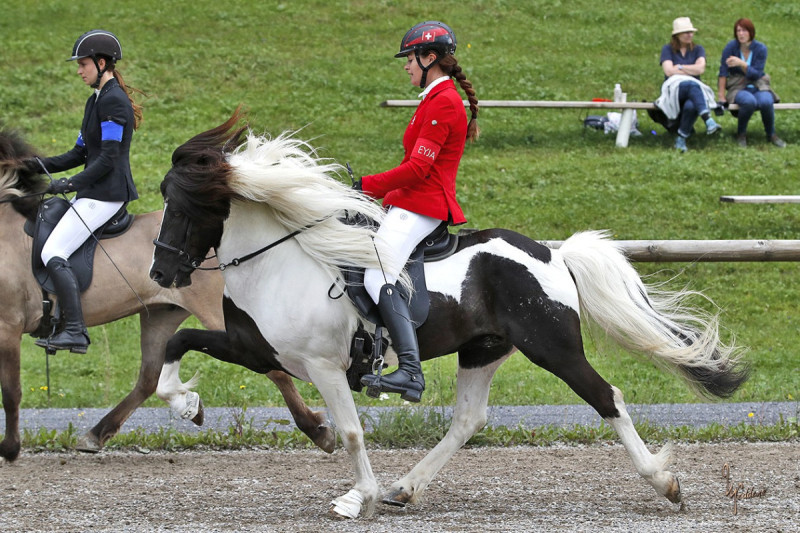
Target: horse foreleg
{"points": [[156, 326], [652, 467], [469, 417], [331, 382], [312, 423], [12, 395], [187, 404]]}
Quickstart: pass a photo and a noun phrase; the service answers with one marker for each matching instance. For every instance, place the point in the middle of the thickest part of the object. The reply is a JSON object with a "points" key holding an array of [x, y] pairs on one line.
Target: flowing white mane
{"points": [[302, 191]]}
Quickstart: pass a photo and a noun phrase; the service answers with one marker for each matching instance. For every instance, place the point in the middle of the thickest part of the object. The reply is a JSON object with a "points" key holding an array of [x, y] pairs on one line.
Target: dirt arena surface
{"points": [[567, 488]]}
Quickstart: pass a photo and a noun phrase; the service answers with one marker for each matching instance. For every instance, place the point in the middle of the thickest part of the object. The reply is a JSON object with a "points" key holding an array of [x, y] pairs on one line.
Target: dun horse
{"points": [[498, 293], [108, 298]]}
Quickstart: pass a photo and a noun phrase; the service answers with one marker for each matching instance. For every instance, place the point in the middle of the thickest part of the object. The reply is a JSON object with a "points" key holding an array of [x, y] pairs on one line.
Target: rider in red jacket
{"points": [[420, 193]]}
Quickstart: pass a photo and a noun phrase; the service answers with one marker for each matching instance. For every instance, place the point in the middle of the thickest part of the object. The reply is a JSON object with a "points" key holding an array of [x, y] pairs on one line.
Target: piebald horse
{"points": [[237, 192], [108, 298]]}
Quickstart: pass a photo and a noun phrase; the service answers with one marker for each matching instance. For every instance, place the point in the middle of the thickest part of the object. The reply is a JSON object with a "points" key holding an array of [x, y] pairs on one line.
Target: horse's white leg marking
{"points": [[469, 417], [331, 382], [651, 467], [184, 402]]}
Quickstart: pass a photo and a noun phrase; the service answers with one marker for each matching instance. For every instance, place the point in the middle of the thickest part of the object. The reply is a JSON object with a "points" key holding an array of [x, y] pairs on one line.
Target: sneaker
{"points": [[680, 144], [777, 141], [742, 140], [711, 126]]}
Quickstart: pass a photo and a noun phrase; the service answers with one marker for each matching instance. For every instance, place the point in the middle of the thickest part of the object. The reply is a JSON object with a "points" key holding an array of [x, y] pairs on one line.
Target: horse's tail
{"points": [[650, 320]]}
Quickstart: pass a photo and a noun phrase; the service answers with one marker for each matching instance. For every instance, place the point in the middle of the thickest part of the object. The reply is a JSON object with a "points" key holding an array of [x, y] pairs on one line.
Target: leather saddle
{"points": [[366, 349], [82, 261]]}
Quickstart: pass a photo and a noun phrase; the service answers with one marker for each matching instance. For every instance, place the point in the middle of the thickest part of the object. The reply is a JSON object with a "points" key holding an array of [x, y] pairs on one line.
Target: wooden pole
{"points": [[707, 251], [763, 199]]}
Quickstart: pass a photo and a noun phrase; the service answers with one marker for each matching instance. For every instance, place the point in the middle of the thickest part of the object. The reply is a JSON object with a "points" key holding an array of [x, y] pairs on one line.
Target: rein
{"points": [[194, 264]]}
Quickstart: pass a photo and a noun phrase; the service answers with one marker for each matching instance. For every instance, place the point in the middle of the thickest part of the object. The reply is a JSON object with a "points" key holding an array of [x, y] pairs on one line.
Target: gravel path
{"points": [[555, 488], [153, 418]]}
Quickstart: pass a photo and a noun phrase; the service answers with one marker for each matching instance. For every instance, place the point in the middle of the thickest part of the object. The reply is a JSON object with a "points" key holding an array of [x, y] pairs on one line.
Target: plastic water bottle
{"points": [[617, 93]]}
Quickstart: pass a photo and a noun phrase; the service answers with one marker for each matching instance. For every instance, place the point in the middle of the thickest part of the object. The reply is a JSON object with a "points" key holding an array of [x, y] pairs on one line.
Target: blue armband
{"points": [[110, 131], [79, 141]]}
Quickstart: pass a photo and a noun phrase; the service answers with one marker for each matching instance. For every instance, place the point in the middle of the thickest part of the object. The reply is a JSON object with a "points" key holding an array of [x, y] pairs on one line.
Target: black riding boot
{"points": [[74, 336], [407, 380]]}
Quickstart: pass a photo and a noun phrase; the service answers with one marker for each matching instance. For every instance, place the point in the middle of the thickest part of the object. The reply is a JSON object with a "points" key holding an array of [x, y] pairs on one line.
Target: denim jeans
{"points": [[749, 100], [693, 104]]}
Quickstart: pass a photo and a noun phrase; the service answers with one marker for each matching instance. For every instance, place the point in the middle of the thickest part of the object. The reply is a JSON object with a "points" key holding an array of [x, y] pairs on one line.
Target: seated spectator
{"points": [[742, 81], [683, 96]]}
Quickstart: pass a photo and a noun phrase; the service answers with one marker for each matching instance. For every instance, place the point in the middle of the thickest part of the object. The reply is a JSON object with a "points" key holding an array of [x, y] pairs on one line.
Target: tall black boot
{"points": [[407, 380], [74, 337]]}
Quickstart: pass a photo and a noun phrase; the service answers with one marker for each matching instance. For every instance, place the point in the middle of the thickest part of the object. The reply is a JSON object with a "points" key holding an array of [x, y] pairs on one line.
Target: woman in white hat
{"points": [[683, 63]]}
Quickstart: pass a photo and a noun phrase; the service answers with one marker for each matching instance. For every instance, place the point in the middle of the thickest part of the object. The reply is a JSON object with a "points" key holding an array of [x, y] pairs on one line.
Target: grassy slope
{"points": [[325, 66]]}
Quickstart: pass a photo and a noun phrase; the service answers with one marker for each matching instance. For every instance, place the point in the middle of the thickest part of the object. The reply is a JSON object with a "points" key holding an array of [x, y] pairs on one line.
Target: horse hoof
{"points": [[398, 498], [89, 444], [674, 491], [348, 505], [325, 439], [200, 416], [9, 450], [192, 407]]}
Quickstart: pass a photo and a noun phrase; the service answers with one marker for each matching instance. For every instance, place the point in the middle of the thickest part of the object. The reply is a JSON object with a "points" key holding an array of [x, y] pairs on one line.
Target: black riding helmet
{"points": [[426, 36], [94, 44]]}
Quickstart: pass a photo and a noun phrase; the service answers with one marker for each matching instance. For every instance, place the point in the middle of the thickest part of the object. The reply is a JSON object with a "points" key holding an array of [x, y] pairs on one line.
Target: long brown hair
{"points": [[676, 44], [138, 114], [449, 65]]}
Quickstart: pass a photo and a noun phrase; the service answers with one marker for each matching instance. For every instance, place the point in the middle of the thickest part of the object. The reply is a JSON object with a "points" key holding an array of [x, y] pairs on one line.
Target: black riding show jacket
{"points": [[103, 146]]}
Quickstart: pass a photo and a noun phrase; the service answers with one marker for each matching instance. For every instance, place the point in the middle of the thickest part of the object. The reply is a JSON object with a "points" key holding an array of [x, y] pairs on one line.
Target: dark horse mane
{"points": [[197, 183], [13, 150]]}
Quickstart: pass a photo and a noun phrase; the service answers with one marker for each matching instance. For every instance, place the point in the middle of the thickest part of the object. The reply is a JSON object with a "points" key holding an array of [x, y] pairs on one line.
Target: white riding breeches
{"points": [[403, 230], [77, 224]]}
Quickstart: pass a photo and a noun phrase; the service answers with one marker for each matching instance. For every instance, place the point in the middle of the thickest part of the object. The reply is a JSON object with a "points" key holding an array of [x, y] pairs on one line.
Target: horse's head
{"points": [[19, 184], [197, 201]]}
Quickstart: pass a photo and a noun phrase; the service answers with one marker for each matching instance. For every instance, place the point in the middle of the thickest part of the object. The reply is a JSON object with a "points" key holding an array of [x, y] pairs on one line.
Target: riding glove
{"points": [[60, 186]]}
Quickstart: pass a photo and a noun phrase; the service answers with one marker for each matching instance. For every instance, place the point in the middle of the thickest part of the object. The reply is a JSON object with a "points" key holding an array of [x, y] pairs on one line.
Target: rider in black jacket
{"points": [[103, 186]]}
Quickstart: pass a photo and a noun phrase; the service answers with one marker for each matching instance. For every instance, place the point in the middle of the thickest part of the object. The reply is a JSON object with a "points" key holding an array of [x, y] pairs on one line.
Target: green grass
{"points": [[325, 66]]}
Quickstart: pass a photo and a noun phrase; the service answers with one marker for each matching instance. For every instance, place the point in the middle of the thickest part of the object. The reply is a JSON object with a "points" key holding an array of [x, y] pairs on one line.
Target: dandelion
{"points": [[32, 389], [43, 387], [241, 387], [750, 415]]}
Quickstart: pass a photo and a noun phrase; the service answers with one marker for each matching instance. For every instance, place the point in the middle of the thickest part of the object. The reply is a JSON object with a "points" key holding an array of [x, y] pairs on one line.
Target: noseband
{"points": [[187, 263]]}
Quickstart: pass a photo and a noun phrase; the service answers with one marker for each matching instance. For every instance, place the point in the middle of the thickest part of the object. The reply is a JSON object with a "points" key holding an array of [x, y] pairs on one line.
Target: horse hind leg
{"points": [[312, 423], [469, 417], [652, 467], [571, 366]]}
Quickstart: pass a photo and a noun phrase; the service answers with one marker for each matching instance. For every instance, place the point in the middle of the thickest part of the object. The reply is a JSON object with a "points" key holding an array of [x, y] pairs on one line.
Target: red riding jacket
{"points": [[425, 181]]}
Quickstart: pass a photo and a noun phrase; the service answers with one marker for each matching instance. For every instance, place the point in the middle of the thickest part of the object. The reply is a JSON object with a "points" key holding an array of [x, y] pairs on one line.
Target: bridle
{"points": [[189, 264]]}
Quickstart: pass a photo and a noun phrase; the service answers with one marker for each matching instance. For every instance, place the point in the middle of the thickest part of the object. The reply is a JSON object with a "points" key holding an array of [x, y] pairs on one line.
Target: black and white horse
{"points": [[498, 293]]}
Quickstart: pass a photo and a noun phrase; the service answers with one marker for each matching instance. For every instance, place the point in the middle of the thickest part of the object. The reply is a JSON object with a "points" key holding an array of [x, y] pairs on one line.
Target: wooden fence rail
{"points": [[705, 250]]}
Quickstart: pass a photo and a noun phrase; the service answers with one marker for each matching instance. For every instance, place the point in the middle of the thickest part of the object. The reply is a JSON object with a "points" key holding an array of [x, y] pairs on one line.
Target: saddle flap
{"points": [[82, 260]]}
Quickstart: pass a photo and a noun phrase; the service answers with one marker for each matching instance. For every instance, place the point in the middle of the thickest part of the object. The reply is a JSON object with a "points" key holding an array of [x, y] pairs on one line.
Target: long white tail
{"points": [[649, 320]]}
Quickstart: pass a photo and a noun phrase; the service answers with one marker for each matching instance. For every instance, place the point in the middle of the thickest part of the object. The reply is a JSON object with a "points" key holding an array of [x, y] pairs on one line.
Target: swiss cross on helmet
{"points": [[95, 44], [429, 35]]}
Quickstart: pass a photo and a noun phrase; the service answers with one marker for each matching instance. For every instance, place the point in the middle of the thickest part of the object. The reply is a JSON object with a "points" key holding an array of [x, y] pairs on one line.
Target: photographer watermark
{"points": [[737, 491]]}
